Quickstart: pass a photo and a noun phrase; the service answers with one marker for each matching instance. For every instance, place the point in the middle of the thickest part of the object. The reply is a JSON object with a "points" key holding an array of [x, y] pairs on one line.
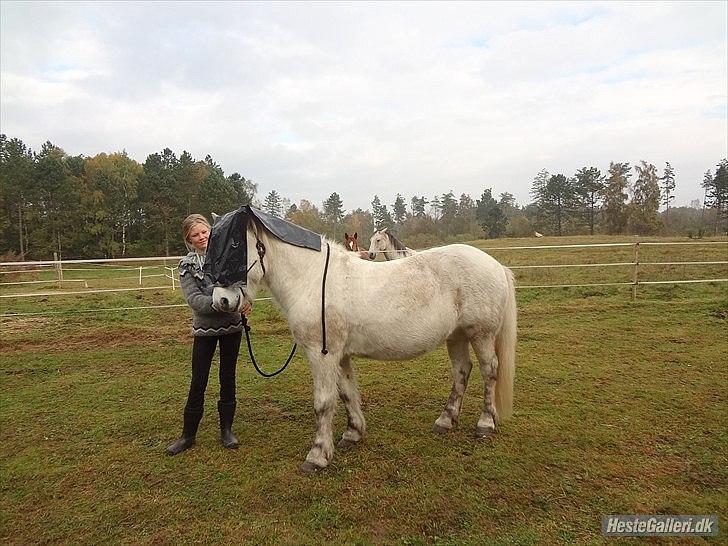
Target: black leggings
{"points": [[203, 349]]}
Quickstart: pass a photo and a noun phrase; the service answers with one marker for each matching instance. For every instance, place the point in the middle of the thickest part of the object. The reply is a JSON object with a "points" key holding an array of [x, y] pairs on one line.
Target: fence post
{"points": [[59, 269], [140, 275], [634, 272], [171, 274]]}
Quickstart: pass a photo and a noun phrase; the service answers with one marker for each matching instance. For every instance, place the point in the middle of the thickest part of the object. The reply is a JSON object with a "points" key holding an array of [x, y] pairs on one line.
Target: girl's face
{"points": [[198, 235]]}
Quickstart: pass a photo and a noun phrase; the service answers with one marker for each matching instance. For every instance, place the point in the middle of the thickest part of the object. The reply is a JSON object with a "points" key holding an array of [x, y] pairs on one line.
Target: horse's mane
{"points": [[333, 243], [398, 245]]}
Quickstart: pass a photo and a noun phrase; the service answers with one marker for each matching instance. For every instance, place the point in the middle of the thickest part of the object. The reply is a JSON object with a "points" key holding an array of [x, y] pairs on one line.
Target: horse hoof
{"points": [[345, 444], [308, 468], [440, 429], [481, 433]]}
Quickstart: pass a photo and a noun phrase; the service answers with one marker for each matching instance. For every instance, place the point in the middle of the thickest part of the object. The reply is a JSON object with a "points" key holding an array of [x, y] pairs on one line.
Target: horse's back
{"points": [[463, 259], [478, 281]]}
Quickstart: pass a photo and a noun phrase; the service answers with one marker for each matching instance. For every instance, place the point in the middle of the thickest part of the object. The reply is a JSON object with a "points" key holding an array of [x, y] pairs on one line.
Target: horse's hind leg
{"points": [[457, 348], [349, 394], [484, 347], [324, 404]]}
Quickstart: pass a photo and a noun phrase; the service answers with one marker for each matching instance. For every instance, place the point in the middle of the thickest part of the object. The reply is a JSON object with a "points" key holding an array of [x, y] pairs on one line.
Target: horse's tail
{"points": [[505, 348]]}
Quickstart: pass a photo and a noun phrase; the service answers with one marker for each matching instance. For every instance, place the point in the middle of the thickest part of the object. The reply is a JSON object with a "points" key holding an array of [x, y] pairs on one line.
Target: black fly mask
{"points": [[227, 249]]}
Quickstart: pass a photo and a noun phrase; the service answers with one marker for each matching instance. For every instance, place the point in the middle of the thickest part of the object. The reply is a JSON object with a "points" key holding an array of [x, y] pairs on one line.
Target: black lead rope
{"points": [[246, 327], [252, 358], [324, 351]]}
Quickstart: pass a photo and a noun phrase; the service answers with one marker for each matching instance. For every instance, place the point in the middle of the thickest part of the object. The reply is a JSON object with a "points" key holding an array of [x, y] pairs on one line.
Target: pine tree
{"points": [[291, 212], [381, 215], [668, 185], [589, 186], [418, 205], [162, 204], [16, 194], [538, 184], [243, 190], [706, 184], [399, 210], [717, 194], [333, 211], [508, 204], [557, 202], [272, 204], [490, 216], [58, 199], [435, 207]]}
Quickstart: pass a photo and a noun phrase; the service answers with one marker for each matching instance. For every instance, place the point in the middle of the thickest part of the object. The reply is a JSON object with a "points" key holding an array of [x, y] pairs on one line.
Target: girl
{"points": [[209, 327]]}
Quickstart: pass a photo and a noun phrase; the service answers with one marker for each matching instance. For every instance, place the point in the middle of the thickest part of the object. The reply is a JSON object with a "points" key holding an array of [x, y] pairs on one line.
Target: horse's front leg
{"points": [[349, 394], [325, 371]]}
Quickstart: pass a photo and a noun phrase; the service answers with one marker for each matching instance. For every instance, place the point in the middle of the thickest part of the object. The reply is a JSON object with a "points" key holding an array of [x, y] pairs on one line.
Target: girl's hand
{"points": [[247, 308]]}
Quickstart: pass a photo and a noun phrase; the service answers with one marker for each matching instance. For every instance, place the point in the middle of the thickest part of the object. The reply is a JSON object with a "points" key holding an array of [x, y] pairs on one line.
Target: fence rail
{"points": [[57, 267]]}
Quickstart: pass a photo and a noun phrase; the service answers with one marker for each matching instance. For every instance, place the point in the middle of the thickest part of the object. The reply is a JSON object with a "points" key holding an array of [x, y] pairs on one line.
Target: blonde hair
{"points": [[192, 220]]}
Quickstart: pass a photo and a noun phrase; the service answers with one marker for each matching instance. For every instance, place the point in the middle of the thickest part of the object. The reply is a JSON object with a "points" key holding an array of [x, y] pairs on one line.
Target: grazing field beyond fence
{"points": [[619, 408]]}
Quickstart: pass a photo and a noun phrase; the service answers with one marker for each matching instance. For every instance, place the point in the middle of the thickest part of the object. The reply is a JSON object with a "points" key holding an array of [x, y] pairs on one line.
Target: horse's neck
{"points": [[392, 253], [290, 270]]}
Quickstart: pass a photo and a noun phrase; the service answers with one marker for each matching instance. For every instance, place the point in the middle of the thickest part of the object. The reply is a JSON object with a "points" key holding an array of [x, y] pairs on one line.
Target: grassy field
{"points": [[619, 408]]}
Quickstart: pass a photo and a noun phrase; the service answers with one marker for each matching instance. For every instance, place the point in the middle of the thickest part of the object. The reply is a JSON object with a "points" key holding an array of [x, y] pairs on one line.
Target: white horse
{"points": [[383, 241], [455, 293]]}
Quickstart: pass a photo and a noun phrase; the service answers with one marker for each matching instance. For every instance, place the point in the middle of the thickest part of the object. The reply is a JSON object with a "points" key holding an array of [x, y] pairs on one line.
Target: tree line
{"points": [[110, 205]]}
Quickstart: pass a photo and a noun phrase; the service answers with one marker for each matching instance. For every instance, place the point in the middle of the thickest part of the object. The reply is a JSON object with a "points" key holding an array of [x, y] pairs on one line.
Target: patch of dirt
{"points": [[96, 339], [20, 325]]}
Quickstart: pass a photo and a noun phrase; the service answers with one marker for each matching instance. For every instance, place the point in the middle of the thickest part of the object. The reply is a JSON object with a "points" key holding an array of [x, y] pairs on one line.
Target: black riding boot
{"points": [[189, 431], [227, 412]]}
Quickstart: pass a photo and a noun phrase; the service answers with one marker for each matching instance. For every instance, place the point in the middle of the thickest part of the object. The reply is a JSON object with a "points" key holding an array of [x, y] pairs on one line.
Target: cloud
{"points": [[375, 98]]}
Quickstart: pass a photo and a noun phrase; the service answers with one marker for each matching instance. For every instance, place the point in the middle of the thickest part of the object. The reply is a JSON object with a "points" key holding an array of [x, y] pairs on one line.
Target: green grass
{"points": [[619, 408]]}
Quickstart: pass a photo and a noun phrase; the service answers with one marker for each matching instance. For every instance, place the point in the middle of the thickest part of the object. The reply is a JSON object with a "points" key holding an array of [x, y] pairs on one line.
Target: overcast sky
{"points": [[365, 98]]}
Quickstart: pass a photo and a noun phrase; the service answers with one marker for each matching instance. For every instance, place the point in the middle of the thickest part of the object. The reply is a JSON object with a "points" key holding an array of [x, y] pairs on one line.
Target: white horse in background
{"points": [[384, 242], [456, 294]]}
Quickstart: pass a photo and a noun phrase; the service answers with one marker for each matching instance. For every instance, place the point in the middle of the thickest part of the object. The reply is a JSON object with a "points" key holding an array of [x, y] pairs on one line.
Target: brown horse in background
{"points": [[351, 242]]}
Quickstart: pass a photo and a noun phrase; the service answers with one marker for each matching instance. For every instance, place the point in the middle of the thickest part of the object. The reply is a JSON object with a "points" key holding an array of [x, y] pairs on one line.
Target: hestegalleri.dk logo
{"points": [[626, 525]]}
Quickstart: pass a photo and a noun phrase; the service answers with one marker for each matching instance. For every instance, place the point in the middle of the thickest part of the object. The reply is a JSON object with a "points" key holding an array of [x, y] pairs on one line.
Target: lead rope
{"points": [[260, 247], [252, 358], [324, 351]]}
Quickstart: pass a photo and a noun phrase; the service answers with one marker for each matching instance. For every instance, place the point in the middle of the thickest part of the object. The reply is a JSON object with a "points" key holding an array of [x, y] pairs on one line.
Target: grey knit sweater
{"points": [[197, 288]]}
